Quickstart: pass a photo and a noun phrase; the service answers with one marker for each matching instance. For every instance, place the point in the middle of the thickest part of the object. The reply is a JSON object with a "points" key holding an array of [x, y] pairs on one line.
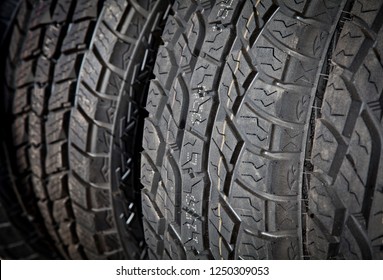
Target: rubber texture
{"points": [[240, 162], [18, 237], [21, 236], [8, 9], [345, 219], [76, 97]]}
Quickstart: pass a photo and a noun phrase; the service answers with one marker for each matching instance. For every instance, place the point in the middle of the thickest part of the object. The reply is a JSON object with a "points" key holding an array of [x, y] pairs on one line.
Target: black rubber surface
{"points": [[8, 9], [21, 236], [19, 239], [345, 218], [76, 87], [238, 151]]}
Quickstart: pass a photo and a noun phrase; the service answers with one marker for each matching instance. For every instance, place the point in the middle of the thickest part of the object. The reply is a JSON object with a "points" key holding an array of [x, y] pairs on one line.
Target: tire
{"points": [[19, 239], [345, 190], [226, 166], [20, 236], [76, 94]]}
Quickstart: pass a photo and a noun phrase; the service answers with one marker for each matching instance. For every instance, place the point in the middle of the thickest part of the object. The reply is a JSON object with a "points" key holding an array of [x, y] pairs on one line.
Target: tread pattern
{"points": [[105, 120], [222, 177], [26, 216], [39, 129], [345, 195], [76, 111], [18, 237]]}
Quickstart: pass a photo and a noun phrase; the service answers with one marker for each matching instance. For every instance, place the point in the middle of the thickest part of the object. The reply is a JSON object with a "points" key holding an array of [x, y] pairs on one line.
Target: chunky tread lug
{"points": [[105, 125], [17, 195], [76, 97], [345, 191], [19, 238], [229, 114]]}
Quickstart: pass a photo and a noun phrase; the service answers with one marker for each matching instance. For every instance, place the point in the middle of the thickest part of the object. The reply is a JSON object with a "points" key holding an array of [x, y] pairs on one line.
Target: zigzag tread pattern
{"points": [[347, 148], [240, 152]]}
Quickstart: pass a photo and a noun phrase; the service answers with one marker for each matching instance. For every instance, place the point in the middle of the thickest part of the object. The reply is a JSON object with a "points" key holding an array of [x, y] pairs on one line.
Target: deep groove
{"points": [[374, 166], [348, 218]]}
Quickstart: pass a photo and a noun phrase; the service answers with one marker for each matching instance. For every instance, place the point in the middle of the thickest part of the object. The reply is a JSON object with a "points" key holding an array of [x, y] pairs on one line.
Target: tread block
{"points": [[192, 153], [21, 101], [67, 66], [216, 43], [99, 198], [350, 187], [35, 126], [25, 74], [76, 38], [156, 100], [178, 97], [56, 159], [51, 38], [249, 208], [55, 126], [252, 248], [38, 100], [19, 128], [351, 38], [149, 173], [85, 10], [114, 11], [87, 101], [193, 201], [153, 141], [42, 70], [271, 60], [78, 192], [337, 93], [79, 129], [82, 162], [91, 71], [324, 148], [66, 232], [61, 11], [367, 11], [256, 128], [93, 220], [39, 188], [33, 47], [41, 13], [324, 11], [165, 67], [171, 178], [368, 82], [61, 95], [253, 170], [152, 215], [200, 106], [204, 76], [55, 186], [224, 11], [296, 5], [35, 155], [61, 210], [105, 39]]}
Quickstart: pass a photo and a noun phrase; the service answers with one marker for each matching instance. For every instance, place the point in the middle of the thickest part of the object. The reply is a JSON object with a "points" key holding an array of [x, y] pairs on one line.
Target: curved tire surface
{"points": [[77, 77], [239, 144]]}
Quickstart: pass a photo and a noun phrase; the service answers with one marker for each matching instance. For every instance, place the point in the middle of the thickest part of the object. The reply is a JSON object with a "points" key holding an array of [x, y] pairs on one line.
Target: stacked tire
{"points": [[260, 139]]}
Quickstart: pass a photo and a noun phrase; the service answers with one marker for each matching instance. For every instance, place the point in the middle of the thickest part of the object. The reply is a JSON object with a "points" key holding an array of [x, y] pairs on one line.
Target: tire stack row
{"points": [[136, 129]]}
